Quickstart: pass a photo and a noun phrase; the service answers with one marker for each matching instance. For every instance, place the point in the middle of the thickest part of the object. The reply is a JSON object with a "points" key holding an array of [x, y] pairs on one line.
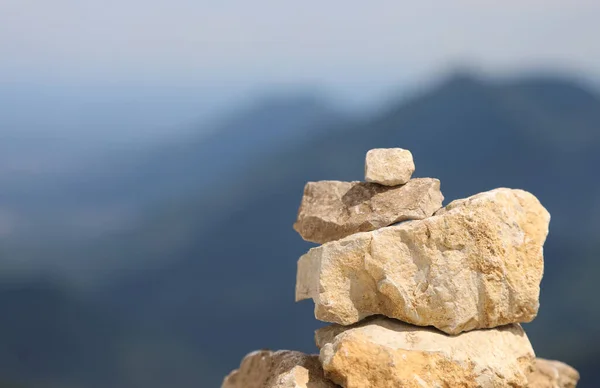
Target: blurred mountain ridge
{"points": [[110, 191], [207, 273]]}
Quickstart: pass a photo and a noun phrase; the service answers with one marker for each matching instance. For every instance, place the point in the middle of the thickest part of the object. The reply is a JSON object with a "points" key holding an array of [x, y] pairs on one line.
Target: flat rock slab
{"points": [[552, 374], [331, 210], [281, 369], [477, 263], [385, 353], [389, 166]]}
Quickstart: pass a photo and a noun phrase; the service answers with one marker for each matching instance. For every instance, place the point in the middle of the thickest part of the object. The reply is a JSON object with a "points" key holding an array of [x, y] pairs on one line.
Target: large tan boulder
{"points": [[552, 374], [476, 264], [331, 210], [389, 166], [281, 369], [386, 353]]}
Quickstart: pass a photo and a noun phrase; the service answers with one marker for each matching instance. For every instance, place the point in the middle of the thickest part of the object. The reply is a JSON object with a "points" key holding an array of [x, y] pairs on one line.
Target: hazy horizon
{"points": [[132, 69]]}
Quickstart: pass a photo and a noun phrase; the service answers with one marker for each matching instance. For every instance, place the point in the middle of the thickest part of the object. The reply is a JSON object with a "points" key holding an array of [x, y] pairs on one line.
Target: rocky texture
{"points": [[386, 353], [476, 264], [281, 369], [552, 374], [389, 166], [331, 210]]}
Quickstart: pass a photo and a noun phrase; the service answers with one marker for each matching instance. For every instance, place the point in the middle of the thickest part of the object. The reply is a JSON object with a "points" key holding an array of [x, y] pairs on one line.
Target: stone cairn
{"points": [[419, 295]]}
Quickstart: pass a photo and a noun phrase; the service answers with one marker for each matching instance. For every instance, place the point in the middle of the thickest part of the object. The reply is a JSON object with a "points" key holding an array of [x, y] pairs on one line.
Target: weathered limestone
{"points": [[281, 369], [476, 264], [552, 374], [331, 210], [472, 269], [387, 353], [389, 166]]}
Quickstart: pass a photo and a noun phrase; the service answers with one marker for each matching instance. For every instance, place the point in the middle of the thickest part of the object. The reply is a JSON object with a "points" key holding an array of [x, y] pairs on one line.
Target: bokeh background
{"points": [[153, 156]]}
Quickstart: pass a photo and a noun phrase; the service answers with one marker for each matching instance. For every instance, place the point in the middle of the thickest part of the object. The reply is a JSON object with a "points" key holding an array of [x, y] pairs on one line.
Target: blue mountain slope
{"points": [[114, 187], [223, 256]]}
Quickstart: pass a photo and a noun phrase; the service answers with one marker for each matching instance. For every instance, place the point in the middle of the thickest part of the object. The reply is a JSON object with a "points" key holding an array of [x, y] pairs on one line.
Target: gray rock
{"points": [[281, 369], [552, 374], [331, 210]]}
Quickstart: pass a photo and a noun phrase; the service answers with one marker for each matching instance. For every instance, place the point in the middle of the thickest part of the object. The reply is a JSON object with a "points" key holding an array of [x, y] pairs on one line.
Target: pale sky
{"points": [[226, 48], [293, 39]]}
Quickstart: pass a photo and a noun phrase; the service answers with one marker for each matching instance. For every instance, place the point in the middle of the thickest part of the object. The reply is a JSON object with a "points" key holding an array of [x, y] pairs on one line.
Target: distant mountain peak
{"points": [[462, 80], [462, 77]]}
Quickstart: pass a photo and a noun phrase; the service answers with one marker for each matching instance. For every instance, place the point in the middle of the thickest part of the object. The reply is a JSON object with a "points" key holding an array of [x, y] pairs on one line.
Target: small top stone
{"points": [[389, 166]]}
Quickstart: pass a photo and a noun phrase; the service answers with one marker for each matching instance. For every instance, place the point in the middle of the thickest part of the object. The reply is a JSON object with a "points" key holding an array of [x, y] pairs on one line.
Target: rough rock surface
{"points": [[552, 374], [476, 264], [389, 166], [331, 210], [281, 369], [386, 353]]}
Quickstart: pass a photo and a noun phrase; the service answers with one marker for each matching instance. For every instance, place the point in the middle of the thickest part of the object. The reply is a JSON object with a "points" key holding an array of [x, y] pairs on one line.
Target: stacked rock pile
{"points": [[419, 295]]}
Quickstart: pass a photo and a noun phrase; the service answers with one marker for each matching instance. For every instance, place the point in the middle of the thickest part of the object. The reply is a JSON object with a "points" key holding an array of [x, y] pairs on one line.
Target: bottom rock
{"points": [[385, 353], [281, 369], [552, 374]]}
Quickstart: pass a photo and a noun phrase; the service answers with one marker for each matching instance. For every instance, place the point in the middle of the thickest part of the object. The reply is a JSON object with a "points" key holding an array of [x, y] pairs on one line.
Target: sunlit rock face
{"points": [[386, 353], [476, 264]]}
